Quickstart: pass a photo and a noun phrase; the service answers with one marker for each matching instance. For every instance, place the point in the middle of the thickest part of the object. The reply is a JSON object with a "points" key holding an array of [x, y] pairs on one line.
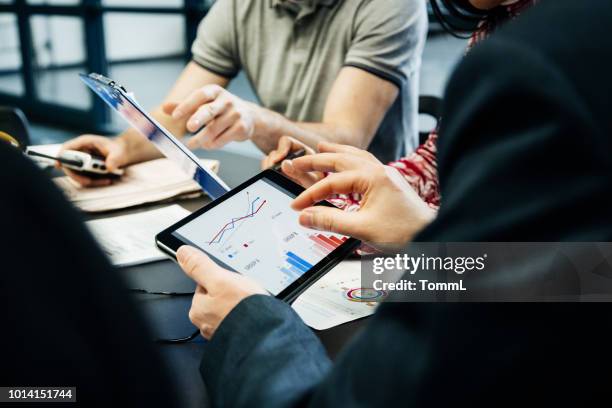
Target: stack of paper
{"points": [[130, 239], [334, 299], [147, 182]]}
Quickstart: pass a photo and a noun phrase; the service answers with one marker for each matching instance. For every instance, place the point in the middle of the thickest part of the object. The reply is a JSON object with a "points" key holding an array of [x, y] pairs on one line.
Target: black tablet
{"points": [[252, 230]]}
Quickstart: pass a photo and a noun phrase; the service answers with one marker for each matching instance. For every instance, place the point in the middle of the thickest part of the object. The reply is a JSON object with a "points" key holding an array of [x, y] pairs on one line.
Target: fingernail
{"points": [[194, 125], [289, 164], [182, 254], [177, 114]]}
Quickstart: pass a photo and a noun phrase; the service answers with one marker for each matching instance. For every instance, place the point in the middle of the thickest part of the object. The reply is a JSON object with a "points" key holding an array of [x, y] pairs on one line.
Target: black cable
{"points": [[162, 293], [464, 10], [179, 340], [472, 17]]}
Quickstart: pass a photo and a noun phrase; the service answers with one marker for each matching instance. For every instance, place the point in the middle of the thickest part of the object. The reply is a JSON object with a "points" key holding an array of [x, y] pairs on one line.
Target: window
{"points": [[11, 81], [46, 43]]}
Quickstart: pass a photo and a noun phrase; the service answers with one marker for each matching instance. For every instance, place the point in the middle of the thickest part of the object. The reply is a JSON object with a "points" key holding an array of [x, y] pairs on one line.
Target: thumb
{"points": [[282, 149], [169, 107], [197, 265], [330, 219], [115, 157]]}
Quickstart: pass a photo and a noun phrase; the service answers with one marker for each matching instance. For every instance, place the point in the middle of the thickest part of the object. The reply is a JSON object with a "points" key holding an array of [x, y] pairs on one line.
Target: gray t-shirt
{"points": [[292, 52]]}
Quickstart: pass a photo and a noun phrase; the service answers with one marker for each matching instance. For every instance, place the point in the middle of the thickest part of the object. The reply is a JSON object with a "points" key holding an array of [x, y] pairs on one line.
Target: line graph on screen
{"points": [[254, 206]]}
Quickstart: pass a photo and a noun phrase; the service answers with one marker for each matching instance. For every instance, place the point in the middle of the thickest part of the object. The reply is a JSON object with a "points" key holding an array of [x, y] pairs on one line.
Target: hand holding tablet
{"points": [[218, 290], [253, 230]]}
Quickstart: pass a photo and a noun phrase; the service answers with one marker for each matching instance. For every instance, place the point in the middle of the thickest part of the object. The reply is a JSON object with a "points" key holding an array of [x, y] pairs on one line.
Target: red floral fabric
{"points": [[420, 168]]}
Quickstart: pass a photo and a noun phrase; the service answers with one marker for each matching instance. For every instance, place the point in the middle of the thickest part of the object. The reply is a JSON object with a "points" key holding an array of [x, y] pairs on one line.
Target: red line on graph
{"points": [[234, 221]]}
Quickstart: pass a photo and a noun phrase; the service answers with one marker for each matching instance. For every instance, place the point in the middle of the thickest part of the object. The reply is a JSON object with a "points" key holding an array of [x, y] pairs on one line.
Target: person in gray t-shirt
{"points": [[343, 71]]}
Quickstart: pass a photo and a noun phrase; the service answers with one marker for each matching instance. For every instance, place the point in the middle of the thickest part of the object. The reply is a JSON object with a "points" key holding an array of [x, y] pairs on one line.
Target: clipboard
{"points": [[124, 103]]}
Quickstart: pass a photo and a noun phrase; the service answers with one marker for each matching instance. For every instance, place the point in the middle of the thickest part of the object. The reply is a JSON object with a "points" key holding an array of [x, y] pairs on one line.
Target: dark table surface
{"points": [[168, 315]]}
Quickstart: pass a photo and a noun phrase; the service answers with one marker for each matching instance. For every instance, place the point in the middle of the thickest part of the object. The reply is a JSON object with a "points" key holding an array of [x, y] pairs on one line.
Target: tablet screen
{"points": [[256, 233]]}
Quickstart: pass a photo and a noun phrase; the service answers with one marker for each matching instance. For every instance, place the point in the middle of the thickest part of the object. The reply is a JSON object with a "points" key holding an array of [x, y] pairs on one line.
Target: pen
{"points": [[290, 156]]}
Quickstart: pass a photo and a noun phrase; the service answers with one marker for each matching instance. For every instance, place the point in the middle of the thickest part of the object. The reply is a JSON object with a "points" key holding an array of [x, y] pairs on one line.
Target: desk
{"points": [[168, 315]]}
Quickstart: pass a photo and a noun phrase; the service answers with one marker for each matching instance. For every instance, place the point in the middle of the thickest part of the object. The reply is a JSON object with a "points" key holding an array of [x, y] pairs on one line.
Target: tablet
{"points": [[124, 103], [253, 231]]}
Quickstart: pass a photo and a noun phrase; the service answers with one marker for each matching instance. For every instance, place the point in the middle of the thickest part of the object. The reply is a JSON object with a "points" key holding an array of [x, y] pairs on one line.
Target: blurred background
{"points": [[142, 44]]}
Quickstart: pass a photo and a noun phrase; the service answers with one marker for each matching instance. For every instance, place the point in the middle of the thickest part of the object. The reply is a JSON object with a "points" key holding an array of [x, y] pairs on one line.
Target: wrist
{"points": [[132, 147], [266, 126], [422, 219], [260, 121], [127, 147], [136, 148]]}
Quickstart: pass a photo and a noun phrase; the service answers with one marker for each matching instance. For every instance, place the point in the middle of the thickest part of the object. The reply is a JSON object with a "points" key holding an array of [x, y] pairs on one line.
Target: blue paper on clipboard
{"points": [[122, 102]]}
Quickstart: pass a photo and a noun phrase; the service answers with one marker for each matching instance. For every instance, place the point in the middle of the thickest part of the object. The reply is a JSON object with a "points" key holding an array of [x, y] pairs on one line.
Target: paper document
{"points": [[337, 298], [147, 182], [130, 239]]}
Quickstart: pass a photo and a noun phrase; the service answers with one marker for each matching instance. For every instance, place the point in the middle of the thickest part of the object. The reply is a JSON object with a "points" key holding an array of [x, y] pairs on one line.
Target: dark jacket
{"points": [[66, 319], [525, 152]]}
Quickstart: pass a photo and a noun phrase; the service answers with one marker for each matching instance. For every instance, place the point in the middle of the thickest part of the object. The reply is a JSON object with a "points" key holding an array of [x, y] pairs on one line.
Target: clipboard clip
{"points": [[106, 81]]}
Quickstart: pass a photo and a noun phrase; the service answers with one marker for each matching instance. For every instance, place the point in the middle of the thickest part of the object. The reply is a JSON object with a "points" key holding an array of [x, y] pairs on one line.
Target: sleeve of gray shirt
{"points": [[215, 45], [388, 38]]}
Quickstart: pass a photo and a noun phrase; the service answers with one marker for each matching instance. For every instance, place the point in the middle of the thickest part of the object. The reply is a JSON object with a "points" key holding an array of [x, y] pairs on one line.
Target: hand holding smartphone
{"points": [[84, 163]]}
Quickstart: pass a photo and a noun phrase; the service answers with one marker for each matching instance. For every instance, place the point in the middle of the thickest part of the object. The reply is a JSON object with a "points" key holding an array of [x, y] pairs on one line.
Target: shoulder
{"points": [[239, 9], [399, 23], [398, 12]]}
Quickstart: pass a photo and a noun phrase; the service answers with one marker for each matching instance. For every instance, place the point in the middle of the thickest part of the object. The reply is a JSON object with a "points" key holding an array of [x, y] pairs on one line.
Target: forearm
{"points": [[354, 110], [270, 126]]}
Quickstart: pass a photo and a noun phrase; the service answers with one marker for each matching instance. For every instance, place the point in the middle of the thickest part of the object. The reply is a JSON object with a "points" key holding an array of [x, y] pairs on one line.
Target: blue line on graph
{"points": [[298, 265], [298, 259], [233, 221], [253, 205]]}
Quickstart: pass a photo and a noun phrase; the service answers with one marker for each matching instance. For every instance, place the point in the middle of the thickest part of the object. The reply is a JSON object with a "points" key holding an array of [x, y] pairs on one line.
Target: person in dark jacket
{"points": [[524, 156], [66, 317]]}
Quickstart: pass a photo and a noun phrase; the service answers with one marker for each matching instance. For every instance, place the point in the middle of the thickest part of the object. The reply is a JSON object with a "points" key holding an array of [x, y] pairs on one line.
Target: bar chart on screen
{"points": [[325, 244], [296, 266]]}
